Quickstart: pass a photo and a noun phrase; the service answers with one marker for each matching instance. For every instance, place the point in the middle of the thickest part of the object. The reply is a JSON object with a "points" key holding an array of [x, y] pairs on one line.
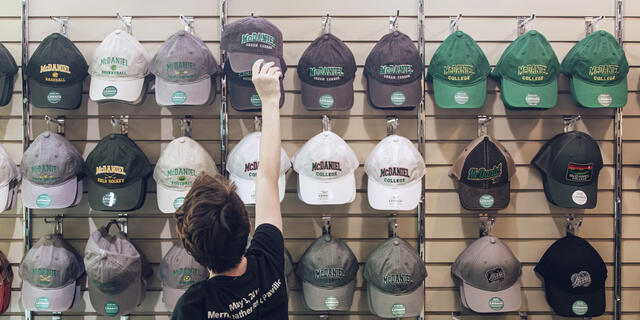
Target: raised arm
{"points": [[266, 79]]}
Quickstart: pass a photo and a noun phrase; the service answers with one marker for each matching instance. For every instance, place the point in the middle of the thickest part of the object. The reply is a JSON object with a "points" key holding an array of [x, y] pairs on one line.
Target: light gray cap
{"points": [[489, 276], [178, 271], [50, 271], [51, 168], [9, 180]]}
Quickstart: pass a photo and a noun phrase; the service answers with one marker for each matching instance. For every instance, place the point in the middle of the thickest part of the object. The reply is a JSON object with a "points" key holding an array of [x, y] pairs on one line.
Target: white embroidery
{"points": [[581, 279]]}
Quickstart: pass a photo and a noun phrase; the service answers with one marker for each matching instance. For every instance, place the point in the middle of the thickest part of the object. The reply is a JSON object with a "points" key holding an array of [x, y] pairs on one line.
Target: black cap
{"points": [[483, 171], [118, 172], [56, 71], [249, 39], [243, 94], [326, 70], [8, 69], [393, 70], [570, 164], [574, 278]]}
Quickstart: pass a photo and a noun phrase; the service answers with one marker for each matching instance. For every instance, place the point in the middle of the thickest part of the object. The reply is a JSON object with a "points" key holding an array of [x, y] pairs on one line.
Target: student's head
{"points": [[213, 223]]}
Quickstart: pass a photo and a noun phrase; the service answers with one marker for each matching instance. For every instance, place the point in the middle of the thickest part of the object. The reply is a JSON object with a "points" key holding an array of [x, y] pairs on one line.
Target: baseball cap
{"points": [[50, 273], [8, 69], [242, 165], [395, 169], [459, 71], [574, 278], [185, 71], [51, 171], [9, 180], [393, 70], [395, 274], [118, 70], [56, 71], [326, 70], [180, 163], [178, 271], [328, 270], [325, 165], [118, 172], [249, 39], [488, 273], [243, 94], [528, 72], [117, 273], [597, 67], [570, 164], [6, 278], [483, 171]]}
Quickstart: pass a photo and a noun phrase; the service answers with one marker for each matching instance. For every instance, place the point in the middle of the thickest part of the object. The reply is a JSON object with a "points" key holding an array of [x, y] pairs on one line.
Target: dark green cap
{"points": [[459, 71], [528, 71], [598, 69]]}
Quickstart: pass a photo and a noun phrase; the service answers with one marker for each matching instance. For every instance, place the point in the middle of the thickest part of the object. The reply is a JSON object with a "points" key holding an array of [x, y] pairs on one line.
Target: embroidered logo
{"points": [[492, 174], [581, 279], [495, 274]]}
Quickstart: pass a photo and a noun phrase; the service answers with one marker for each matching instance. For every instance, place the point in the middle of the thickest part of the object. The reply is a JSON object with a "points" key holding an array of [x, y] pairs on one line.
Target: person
{"points": [[213, 226]]}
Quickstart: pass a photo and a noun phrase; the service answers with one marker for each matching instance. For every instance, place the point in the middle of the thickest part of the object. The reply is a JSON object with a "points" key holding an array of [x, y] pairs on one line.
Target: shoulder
{"points": [[268, 240], [191, 304]]}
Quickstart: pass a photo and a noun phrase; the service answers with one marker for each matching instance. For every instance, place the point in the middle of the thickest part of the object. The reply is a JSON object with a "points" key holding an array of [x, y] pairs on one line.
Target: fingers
{"points": [[256, 66], [272, 71], [266, 66]]}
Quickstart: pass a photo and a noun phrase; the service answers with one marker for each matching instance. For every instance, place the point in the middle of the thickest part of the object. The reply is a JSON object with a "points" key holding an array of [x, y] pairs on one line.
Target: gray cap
{"points": [[488, 273], [116, 273], [51, 168], [249, 39], [328, 271], [184, 70], [50, 271], [395, 273], [178, 271]]}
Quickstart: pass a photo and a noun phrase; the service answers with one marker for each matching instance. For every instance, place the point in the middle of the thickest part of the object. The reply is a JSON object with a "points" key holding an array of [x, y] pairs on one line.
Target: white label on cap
{"points": [[42, 303], [496, 304], [325, 101], [179, 97], [461, 97], [54, 97], [395, 201], [486, 201], [398, 309], [331, 302], [43, 201], [605, 99], [111, 308], [398, 98], [580, 307], [177, 203], [323, 195], [579, 197], [109, 199], [255, 100], [532, 99]]}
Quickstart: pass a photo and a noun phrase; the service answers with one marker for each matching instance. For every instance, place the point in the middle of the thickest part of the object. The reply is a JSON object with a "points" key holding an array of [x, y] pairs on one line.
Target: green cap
{"points": [[528, 70], [459, 71], [598, 69]]}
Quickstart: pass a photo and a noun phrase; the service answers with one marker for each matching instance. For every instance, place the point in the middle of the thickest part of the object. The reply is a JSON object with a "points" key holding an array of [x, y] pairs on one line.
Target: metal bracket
{"points": [[326, 123], [185, 126], [326, 24], [573, 224], [59, 121], [392, 226], [392, 125], [326, 225], [454, 22], [455, 315], [125, 22], [189, 24], [486, 224], [324, 316], [570, 122], [63, 22], [120, 124], [57, 223], [523, 315], [123, 223], [591, 24], [483, 120], [393, 22], [524, 23], [257, 123], [56, 316]]}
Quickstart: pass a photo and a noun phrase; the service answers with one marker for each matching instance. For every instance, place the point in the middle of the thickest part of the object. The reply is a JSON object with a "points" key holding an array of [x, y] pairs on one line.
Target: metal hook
{"points": [[483, 120], [523, 23], [123, 223], [185, 126], [522, 315], [122, 123], [189, 23], [591, 24], [257, 123], [56, 316], [326, 225], [57, 223], [573, 224], [453, 23], [392, 125], [486, 224], [326, 24], [324, 316], [392, 226], [455, 315], [252, 13], [570, 122], [126, 22], [59, 121], [64, 25], [393, 22], [326, 123]]}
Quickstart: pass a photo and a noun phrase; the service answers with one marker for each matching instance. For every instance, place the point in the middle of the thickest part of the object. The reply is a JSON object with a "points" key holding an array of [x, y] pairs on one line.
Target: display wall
{"points": [[529, 225]]}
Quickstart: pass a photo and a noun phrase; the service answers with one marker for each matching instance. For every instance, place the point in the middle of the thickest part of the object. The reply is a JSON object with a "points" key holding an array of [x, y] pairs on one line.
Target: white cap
{"points": [[395, 169], [9, 177], [178, 167], [118, 69], [326, 166], [242, 165]]}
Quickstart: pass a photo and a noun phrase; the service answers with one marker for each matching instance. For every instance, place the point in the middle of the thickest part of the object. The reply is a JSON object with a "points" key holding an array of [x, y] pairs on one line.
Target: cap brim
{"points": [[245, 98], [470, 196], [126, 198], [6, 195], [246, 188], [128, 90], [594, 96], [383, 95], [79, 191], [243, 62], [67, 97], [332, 98], [127, 300], [449, 96], [60, 299], [170, 296], [57, 196], [478, 300], [562, 195], [383, 197], [169, 200], [387, 305], [516, 95], [316, 298], [562, 302], [187, 94], [320, 192]]}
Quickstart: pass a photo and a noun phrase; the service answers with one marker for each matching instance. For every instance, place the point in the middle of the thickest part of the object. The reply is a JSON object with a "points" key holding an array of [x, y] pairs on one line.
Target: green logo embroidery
{"points": [[258, 37], [42, 303], [398, 98], [255, 100], [492, 174], [54, 97], [177, 203], [396, 69], [114, 67], [326, 101], [486, 201], [331, 302], [109, 199], [579, 307], [496, 304], [326, 71], [179, 97], [43, 201], [398, 309], [109, 91], [461, 97], [111, 308]]}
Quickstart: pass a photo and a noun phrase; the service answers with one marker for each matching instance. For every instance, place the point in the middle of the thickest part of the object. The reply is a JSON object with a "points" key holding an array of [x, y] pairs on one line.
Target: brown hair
{"points": [[213, 223]]}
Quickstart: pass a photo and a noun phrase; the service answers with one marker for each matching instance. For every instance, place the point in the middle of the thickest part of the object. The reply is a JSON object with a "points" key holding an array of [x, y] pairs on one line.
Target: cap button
{"points": [[181, 33], [47, 134], [55, 36], [48, 237], [326, 36], [396, 242], [327, 238], [492, 240], [396, 33], [118, 31], [112, 136], [534, 32], [182, 140], [458, 33]]}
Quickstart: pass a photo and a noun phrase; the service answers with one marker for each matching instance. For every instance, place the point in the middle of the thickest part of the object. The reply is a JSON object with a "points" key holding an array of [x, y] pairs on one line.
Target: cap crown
{"points": [[243, 159], [325, 157], [184, 58], [529, 60], [181, 162], [459, 61], [327, 62], [254, 35], [117, 161], [8, 65], [597, 59], [51, 159], [485, 163], [395, 267], [328, 263], [179, 270], [120, 56], [244, 78], [394, 60], [395, 161], [8, 169], [51, 263], [487, 264], [57, 62]]}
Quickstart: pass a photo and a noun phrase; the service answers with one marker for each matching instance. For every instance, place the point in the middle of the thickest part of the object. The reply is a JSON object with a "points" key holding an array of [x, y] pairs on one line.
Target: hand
{"points": [[266, 79]]}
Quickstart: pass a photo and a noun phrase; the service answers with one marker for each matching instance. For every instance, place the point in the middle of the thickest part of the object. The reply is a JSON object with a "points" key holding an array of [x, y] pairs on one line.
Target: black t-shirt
{"points": [[260, 293]]}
